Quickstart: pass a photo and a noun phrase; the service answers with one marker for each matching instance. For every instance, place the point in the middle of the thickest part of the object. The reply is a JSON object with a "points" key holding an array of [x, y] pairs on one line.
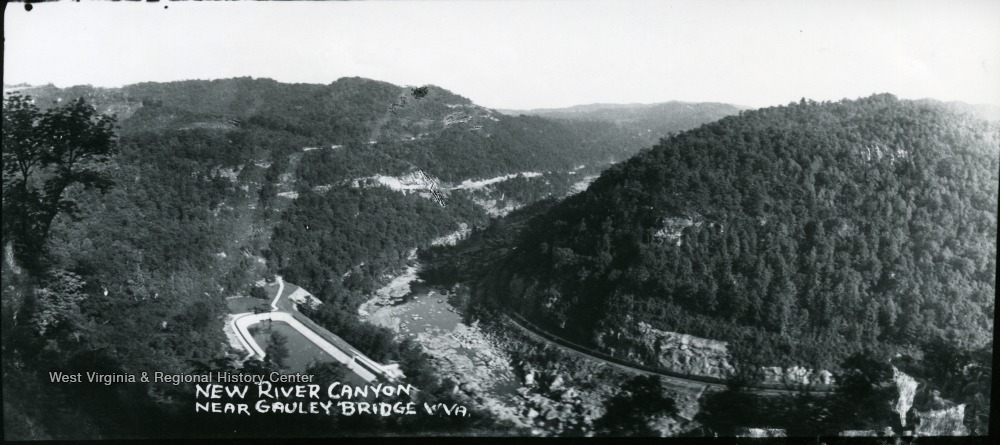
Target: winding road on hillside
{"points": [[284, 311]]}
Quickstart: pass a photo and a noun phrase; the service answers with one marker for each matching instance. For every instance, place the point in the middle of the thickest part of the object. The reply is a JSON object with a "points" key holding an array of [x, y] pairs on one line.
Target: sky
{"points": [[523, 55]]}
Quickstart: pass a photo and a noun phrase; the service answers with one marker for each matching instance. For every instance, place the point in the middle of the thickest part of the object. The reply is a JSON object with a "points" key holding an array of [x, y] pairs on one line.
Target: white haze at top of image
{"points": [[529, 54]]}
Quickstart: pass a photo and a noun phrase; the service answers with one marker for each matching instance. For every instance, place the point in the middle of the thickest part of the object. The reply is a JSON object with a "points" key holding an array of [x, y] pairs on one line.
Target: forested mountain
{"points": [[201, 188], [129, 279], [220, 152], [649, 122], [356, 112], [800, 234]]}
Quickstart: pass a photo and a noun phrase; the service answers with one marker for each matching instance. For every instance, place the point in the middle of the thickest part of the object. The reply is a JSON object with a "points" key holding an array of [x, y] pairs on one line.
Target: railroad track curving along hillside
{"points": [[676, 379]]}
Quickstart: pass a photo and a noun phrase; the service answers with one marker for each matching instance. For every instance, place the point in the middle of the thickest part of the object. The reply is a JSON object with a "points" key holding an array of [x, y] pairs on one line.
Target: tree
{"points": [[419, 92], [258, 292], [21, 159], [277, 349], [45, 153], [629, 412], [58, 302], [865, 394], [723, 412], [957, 374], [326, 373]]}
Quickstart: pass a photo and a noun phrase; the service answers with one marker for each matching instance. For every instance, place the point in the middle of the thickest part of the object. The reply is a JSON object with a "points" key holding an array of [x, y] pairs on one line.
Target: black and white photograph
{"points": [[711, 220]]}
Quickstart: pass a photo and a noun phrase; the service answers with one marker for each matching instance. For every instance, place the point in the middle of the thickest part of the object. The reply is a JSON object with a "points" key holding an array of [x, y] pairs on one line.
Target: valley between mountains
{"points": [[673, 269]]}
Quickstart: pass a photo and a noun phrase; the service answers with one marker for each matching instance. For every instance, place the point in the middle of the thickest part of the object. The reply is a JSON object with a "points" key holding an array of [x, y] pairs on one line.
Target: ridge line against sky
{"points": [[527, 55]]}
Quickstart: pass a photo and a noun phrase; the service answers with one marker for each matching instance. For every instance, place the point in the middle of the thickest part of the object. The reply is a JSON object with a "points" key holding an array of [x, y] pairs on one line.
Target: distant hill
{"points": [[982, 111], [648, 121], [800, 234], [436, 130], [575, 109]]}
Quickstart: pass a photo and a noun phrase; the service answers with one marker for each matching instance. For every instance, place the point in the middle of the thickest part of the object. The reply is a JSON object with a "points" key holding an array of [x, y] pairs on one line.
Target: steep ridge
{"points": [[798, 234]]}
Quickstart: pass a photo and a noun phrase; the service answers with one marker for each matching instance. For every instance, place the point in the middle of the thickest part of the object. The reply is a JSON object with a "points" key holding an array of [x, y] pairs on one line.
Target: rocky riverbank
{"points": [[534, 386], [461, 352], [564, 395]]}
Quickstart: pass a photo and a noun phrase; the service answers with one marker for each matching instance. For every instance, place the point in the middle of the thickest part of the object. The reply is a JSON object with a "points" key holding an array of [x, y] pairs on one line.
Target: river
{"points": [[465, 352]]}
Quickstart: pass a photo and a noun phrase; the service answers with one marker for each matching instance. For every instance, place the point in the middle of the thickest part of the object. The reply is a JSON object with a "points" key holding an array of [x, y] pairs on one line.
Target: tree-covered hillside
{"points": [[132, 214], [343, 110], [132, 275], [801, 234], [226, 149]]}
